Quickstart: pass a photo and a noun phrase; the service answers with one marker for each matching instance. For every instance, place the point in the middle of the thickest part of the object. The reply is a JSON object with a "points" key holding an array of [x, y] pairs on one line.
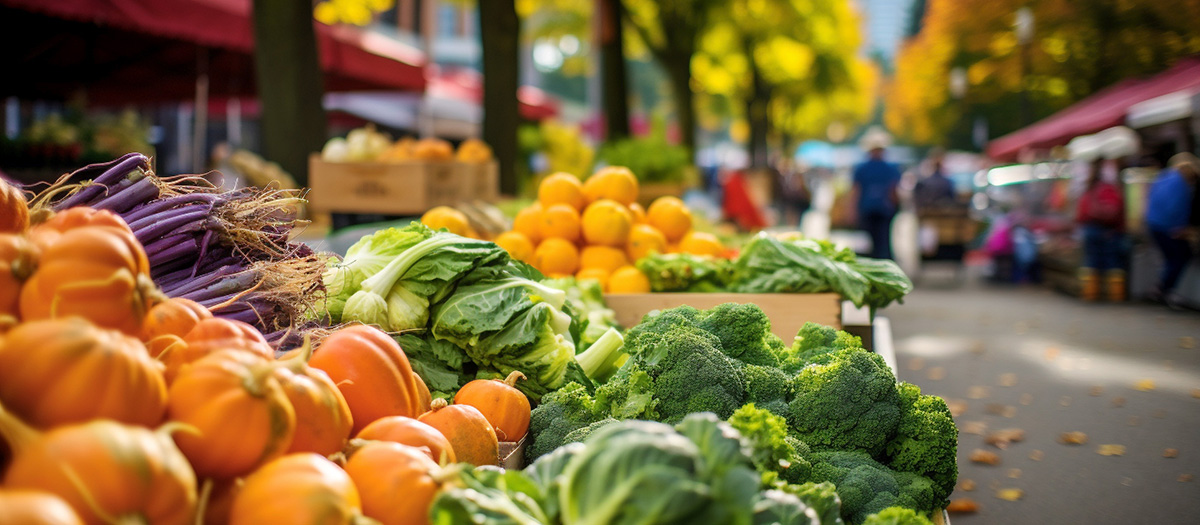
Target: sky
{"points": [[884, 22]]}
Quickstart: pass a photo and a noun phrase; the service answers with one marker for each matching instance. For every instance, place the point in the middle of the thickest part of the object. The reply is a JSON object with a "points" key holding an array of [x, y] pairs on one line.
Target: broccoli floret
{"points": [[897, 516], [926, 440], [849, 403], [778, 407], [764, 384], [919, 492], [646, 333], [692, 375], [559, 413], [581, 433], [813, 343], [864, 485], [744, 331]]}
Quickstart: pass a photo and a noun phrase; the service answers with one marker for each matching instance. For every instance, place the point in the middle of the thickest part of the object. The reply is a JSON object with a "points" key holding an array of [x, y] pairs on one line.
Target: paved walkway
{"points": [[1044, 363]]}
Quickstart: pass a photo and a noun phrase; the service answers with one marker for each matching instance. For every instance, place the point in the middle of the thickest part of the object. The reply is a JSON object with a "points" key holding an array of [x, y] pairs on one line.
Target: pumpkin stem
{"points": [[512, 378], [296, 362], [438, 404], [259, 375], [17, 433], [172, 427], [90, 501], [25, 263], [202, 502]]}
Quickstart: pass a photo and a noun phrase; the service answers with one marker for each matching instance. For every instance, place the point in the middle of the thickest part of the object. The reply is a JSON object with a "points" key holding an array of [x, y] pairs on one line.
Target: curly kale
{"points": [[848, 403], [897, 516], [926, 440]]}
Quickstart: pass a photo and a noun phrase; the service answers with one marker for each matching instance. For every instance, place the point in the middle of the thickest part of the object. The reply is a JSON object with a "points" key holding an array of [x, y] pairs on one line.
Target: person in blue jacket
{"points": [[875, 182], [1168, 214]]}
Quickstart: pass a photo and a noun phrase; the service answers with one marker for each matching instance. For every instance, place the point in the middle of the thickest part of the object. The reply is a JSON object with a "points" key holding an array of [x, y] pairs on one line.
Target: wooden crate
{"points": [[386, 188], [484, 180], [788, 312]]}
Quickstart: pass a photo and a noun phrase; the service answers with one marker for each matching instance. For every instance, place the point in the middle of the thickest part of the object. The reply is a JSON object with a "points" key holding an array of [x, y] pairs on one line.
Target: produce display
{"points": [[368, 145], [434, 355]]}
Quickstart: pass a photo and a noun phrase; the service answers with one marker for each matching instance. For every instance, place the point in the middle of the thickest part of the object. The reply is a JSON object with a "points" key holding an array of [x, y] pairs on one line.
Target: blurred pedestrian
{"points": [[791, 192], [875, 183], [935, 189], [1168, 214], [1100, 214]]}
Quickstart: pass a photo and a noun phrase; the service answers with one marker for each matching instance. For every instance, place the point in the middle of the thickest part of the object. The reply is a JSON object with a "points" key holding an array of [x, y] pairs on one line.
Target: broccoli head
{"points": [[644, 335], [764, 384], [744, 331], [559, 413], [692, 375], [897, 516], [864, 485], [848, 403], [813, 342], [581, 433], [926, 440]]}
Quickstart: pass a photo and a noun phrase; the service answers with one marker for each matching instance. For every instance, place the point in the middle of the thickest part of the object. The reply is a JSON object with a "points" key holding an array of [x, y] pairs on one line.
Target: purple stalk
{"points": [[114, 171], [140, 192], [155, 249], [205, 280], [223, 286], [169, 224], [159, 205], [137, 224]]}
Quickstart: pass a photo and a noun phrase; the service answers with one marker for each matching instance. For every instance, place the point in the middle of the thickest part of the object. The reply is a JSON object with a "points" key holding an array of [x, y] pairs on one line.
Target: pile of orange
{"points": [[595, 229]]}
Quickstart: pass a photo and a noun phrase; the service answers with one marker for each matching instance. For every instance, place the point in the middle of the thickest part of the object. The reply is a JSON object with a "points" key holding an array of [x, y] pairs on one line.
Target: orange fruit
{"points": [[560, 222], [628, 279], [445, 217], [701, 243], [595, 274], [529, 222], [561, 188], [614, 182], [645, 239], [670, 216], [556, 257], [606, 222], [517, 245], [638, 212], [604, 258]]}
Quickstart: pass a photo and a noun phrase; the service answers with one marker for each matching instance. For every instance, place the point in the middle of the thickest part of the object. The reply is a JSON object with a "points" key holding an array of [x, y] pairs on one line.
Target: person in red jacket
{"points": [[1101, 216]]}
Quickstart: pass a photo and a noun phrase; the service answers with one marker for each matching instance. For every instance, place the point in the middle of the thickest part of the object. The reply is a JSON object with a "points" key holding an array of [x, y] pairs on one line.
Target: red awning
{"points": [[467, 85], [133, 51], [1102, 110]]}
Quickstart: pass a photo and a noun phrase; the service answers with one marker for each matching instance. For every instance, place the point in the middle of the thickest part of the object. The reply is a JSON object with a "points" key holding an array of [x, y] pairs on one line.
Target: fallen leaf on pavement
{"points": [[1135, 421], [974, 427], [962, 505], [1168, 365], [1001, 438], [1184, 478], [1196, 393], [957, 407], [1096, 391], [1144, 385], [985, 457], [1073, 438], [979, 392], [1008, 379], [1037, 455], [1170, 453], [1159, 414], [1111, 450], [977, 347], [1187, 341], [937, 373], [1026, 399], [1065, 401], [1010, 494], [967, 485], [1051, 353], [916, 363], [1014, 473], [1118, 402]]}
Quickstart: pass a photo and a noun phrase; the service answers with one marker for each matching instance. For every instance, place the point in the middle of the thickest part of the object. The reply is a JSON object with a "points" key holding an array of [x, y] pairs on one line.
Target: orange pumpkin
{"points": [[96, 272], [323, 419], [408, 431], [18, 258], [104, 469], [211, 335], [32, 507], [470, 434], [218, 505], [298, 488], [372, 373], [60, 371], [382, 471], [239, 410], [49, 231], [167, 322], [505, 407], [14, 211]]}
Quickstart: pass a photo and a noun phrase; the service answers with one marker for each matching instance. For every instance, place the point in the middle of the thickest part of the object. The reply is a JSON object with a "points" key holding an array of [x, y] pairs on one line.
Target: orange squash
{"points": [[505, 407], [397, 483], [60, 371], [49, 231], [470, 434], [372, 373], [408, 431], [298, 488], [107, 472], [323, 419], [97, 272], [167, 322], [216, 508], [18, 258], [14, 211], [240, 413], [33, 507], [211, 335]]}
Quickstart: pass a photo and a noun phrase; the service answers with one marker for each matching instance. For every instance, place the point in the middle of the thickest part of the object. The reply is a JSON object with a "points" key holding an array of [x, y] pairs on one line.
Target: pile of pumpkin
{"points": [[595, 229], [119, 405]]}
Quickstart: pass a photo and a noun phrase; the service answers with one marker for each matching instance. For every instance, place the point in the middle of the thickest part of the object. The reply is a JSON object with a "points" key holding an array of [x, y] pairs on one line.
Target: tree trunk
{"points": [[614, 75], [756, 115], [679, 71], [290, 87], [499, 34]]}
